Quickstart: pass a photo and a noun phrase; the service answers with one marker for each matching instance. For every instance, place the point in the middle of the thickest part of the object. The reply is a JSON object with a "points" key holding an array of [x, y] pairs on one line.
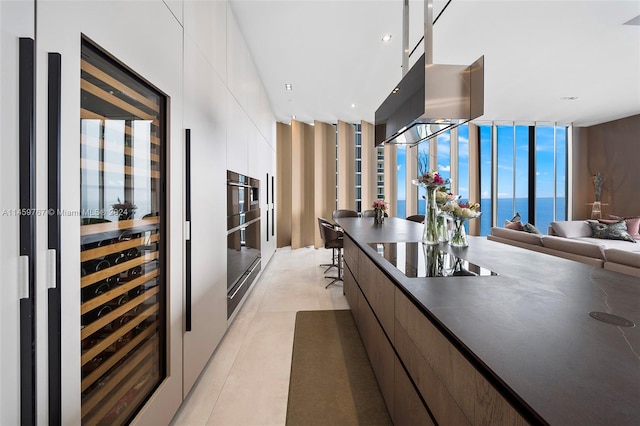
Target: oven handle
{"points": [[241, 185], [244, 225], [244, 281]]}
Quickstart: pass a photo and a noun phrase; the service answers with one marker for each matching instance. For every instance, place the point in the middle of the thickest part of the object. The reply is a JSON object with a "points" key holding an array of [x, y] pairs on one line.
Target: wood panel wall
{"points": [[346, 166], [324, 144], [283, 198], [302, 185], [612, 150]]}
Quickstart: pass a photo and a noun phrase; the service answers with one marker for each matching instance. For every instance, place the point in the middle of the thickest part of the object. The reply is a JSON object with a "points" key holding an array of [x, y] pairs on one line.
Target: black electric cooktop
{"points": [[415, 260]]}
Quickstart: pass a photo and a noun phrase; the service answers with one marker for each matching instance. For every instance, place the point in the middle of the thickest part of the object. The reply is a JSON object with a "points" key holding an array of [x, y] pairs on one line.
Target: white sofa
{"points": [[573, 240]]}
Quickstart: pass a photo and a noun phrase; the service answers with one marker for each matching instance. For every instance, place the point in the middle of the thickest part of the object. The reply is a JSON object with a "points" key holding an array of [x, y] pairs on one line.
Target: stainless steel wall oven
{"points": [[243, 236]]}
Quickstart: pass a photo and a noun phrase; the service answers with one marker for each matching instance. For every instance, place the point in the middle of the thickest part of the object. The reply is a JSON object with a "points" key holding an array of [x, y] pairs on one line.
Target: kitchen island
{"points": [[512, 341]]}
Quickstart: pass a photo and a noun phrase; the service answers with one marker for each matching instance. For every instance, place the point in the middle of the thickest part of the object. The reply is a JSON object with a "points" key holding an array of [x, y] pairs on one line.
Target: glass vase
{"points": [[459, 234], [378, 219], [430, 233], [443, 228]]}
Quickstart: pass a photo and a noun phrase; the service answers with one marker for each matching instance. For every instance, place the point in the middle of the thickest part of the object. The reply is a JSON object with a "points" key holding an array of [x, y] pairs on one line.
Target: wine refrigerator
{"points": [[122, 214]]}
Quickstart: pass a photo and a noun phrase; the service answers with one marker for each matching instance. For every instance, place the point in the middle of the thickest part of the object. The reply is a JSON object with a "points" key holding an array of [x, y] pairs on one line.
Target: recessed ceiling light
{"points": [[288, 86], [569, 98], [396, 90], [353, 105], [386, 38]]}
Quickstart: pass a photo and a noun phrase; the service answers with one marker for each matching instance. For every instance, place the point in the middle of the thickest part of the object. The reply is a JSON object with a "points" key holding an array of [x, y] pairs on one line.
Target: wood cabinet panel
{"points": [[453, 389], [380, 293], [351, 291], [383, 301], [491, 408], [408, 408], [440, 402], [378, 349], [351, 256]]}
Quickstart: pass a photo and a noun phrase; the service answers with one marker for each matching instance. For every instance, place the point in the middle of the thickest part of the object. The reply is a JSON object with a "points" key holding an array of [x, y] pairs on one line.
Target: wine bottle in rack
{"points": [[134, 273], [115, 258], [96, 314], [95, 290], [96, 265], [92, 365], [132, 253]]}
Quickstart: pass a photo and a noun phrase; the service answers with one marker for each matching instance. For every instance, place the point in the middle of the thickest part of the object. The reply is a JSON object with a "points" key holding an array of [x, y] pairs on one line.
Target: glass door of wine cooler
{"points": [[122, 145]]}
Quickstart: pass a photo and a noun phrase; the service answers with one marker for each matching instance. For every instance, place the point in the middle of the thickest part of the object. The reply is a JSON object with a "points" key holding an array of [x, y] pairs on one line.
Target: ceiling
{"points": [[537, 54]]}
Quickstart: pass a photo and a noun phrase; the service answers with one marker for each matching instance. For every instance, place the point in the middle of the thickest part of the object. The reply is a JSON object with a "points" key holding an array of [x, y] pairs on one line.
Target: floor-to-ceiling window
{"points": [[359, 168], [550, 175], [462, 180], [513, 172], [561, 172], [443, 142], [530, 172], [486, 177], [401, 206], [380, 172], [423, 167]]}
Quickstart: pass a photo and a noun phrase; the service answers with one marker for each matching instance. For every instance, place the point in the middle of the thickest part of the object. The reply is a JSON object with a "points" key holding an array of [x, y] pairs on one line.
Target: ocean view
{"points": [[544, 211]]}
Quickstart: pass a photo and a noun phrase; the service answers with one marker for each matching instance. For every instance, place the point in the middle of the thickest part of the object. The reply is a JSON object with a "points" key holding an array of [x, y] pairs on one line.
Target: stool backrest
{"points": [[344, 213]]}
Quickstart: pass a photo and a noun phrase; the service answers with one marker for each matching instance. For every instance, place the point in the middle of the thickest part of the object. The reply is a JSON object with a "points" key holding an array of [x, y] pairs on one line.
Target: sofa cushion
{"points": [[571, 228], [573, 246], [614, 231], [511, 234], [631, 258], [608, 244]]}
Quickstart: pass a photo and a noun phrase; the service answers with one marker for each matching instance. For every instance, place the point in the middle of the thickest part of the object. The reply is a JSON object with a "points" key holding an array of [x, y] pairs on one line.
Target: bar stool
{"points": [[344, 213], [334, 256], [332, 239], [372, 213]]}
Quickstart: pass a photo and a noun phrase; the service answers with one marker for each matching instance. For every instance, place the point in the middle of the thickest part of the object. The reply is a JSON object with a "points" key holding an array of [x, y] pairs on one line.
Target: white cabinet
{"points": [[206, 118], [16, 20]]}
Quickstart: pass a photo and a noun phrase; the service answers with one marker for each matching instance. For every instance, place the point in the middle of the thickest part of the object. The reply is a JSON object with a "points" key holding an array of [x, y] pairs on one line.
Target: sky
{"points": [[507, 151]]}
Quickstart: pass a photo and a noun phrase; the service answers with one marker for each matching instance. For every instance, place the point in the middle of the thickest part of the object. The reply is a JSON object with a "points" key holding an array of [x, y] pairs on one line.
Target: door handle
{"points": [[23, 277]]}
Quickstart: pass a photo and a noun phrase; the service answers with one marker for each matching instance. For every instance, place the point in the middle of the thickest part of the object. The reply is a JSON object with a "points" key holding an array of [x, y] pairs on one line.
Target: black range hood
{"points": [[430, 99]]}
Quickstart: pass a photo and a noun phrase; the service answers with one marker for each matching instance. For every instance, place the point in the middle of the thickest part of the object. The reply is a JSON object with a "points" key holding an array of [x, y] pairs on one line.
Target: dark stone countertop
{"points": [[528, 329]]}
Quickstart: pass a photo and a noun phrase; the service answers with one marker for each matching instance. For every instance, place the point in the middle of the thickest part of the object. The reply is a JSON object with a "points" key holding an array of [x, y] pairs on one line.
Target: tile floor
{"points": [[246, 381]]}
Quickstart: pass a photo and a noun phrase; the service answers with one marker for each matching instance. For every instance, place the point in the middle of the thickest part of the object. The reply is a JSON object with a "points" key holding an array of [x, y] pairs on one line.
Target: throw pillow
{"points": [[614, 231], [517, 225], [633, 224], [609, 221], [531, 229]]}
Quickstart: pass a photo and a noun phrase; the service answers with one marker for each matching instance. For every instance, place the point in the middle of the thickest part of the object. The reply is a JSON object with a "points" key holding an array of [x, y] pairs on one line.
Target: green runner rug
{"points": [[332, 382]]}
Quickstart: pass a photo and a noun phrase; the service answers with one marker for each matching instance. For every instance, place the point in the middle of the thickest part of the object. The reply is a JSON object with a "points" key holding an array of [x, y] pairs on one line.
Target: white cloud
{"points": [[444, 168]]}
